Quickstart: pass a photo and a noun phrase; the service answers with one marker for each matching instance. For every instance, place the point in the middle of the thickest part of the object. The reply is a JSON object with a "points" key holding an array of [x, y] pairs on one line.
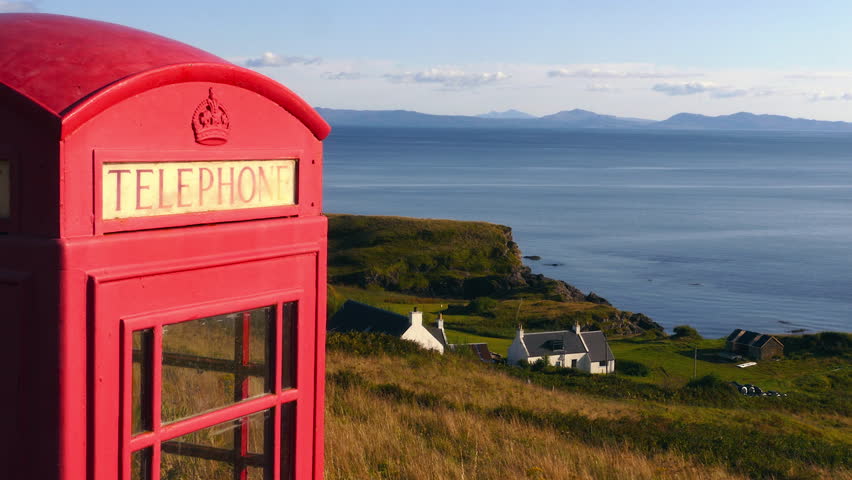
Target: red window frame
{"points": [[274, 400]]}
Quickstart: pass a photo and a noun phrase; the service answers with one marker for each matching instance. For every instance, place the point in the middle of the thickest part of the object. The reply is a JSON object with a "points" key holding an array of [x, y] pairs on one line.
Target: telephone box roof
{"points": [[74, 68]]}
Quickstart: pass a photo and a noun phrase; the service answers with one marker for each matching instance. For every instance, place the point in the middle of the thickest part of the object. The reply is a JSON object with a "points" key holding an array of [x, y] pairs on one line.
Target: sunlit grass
{"points": [[426, 416]]}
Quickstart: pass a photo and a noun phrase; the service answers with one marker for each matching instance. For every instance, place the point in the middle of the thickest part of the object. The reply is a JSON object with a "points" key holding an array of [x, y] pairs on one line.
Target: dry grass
{"points": [[371, 437], [483, 388]]}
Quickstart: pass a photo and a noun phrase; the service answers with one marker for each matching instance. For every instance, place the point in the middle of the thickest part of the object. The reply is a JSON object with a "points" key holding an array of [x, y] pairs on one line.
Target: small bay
{"points": [[719, 230]]}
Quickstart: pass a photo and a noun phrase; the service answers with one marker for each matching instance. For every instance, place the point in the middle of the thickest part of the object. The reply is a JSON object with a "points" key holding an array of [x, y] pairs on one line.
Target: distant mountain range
{"points": [[508, 114], [578, 119]]}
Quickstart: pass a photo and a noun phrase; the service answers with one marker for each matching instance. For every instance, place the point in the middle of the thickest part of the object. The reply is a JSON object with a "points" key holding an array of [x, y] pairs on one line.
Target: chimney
{"points": [[577, 328], [520, 333], [416, 317], [441, 321]]}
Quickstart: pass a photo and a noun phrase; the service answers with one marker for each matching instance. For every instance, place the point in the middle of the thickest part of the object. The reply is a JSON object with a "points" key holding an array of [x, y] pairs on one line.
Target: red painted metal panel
{"points": [[62, 63], [130, 297], [14, 296], [57, 60], [148, 99]]}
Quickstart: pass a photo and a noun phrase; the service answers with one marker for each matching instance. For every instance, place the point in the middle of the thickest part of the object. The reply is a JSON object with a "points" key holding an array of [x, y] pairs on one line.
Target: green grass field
{"points": [[670, 362]]}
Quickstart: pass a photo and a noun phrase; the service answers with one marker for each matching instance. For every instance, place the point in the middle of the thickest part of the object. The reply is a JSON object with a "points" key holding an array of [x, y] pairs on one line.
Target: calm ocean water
{"points": [[715, 230]]}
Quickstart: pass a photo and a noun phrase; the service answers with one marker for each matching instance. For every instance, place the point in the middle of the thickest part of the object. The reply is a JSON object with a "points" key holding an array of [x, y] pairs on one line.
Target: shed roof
{"points": [[63, 64], [479, 349], [736, 333], [752, 339]]}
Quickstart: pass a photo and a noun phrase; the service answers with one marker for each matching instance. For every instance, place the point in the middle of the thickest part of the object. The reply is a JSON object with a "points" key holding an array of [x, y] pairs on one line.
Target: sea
{"points": [[717, 230]]}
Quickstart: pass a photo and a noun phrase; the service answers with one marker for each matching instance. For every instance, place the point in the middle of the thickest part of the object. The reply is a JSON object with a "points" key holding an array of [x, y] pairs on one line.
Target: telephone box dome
{"points": [[73, 68]]}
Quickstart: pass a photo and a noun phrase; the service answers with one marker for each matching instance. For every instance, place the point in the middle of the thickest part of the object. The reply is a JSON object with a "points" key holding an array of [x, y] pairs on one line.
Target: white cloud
{"points": [[818, 75], [690, 88], [827, 97], [615, 71], [269, 59], [342, 75], [17, 7], [729, 93], [387, 84], [713, 89], [448, 78], [601, 88]]}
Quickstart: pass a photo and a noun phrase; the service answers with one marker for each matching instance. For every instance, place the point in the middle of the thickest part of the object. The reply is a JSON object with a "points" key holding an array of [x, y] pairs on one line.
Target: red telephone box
{"points": [[162, 261]]}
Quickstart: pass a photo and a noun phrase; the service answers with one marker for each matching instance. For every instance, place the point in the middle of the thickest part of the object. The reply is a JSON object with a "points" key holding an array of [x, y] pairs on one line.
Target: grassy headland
{"points": [[473, 267]]}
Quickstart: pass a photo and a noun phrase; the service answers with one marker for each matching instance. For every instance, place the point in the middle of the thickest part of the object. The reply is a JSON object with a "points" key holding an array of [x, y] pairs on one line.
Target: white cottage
{"points": [[430, 338], [359, 317], [585, 351]]}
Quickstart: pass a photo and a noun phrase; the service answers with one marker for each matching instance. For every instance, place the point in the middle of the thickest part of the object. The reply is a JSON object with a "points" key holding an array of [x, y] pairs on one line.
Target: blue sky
{"points": [[646, 59]]}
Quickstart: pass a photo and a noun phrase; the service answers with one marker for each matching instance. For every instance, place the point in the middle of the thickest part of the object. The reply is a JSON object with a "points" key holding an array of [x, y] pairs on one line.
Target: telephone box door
{"points": [[214, 363]]}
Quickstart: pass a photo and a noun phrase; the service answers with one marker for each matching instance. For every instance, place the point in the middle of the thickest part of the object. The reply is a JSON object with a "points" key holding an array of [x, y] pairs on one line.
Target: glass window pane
{"points": [[140, 389], [288, 345], [140, 464], [221, 452], [217, 361], [288, 440]]}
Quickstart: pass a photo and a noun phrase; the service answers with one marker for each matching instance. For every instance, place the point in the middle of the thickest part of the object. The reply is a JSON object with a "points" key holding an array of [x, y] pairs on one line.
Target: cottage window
{"points": [[574, 363], [208, 396], [602, 363]]}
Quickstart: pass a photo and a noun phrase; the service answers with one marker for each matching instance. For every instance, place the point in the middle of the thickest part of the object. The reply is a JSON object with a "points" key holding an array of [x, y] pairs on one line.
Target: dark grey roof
{"points": [[553, 343], [736, 333], [437, 333], [599, 350], [752, 339], [748, 337], [359, 317], [479, 349]]}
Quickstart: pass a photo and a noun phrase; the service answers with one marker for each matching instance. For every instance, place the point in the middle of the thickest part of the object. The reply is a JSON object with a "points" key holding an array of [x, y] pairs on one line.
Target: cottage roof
{"points": [[437, 333], [360, 317], [599, 350], [541, 344]]}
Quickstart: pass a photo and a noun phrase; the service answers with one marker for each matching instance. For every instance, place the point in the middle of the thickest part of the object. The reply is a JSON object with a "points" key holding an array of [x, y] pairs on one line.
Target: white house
{"points": [[430, 338], [359, 317], [586, 351]]}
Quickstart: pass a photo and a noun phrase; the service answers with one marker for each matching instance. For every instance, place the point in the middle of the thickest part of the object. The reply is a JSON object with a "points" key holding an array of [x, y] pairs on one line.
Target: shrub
{"points": [[538, 365], [483, 306], [824, 344], [367, 344], [685, 332], [634, 369], [346, 379]]}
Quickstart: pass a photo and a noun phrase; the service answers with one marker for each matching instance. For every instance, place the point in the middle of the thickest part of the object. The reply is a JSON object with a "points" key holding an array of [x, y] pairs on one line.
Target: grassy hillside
{"points": [[396, 413], [438, 257]]}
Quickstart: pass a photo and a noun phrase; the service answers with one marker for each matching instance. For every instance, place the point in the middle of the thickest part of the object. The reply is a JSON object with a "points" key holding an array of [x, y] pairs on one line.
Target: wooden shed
{"points": [[758, 346]]}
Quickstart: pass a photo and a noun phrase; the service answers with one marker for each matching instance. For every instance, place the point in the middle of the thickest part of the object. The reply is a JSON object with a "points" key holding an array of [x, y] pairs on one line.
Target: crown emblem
{"points": [[210, 122]]}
